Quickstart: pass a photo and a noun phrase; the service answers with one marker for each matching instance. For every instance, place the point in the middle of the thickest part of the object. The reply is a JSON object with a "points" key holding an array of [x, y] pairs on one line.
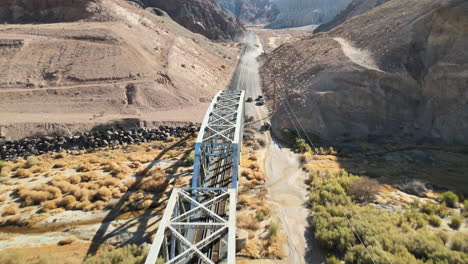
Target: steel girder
{"points": [[190, 210], [220, 137], [203, 217]]}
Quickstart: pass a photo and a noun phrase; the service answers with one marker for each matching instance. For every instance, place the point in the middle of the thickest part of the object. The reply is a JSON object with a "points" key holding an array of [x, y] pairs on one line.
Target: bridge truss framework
{"points": [[199, 224]]}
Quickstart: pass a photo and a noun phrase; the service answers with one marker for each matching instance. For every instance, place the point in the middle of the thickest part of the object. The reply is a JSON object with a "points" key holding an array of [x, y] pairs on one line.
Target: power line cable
{"points": [[303, 130], [349, 221]]}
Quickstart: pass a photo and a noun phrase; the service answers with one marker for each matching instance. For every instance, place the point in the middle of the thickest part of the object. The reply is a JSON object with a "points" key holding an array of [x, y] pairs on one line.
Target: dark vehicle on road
{"points": [[261, 101], [266, 126], [249, 100]]}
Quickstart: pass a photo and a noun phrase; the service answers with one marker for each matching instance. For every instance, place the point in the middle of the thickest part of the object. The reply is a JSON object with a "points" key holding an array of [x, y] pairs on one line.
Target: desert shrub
{"points": [[450, 199], [156, 181], [332, 151], [443, 236], [434, 221], [61, 155], [68, 202], [465, 208], [84, 167], [273, 228], [442, 211], [428, 208], [245, 220], [32, 161], [459, 243], [49, 205], [23, 173], [189, 160], [332, 260], [67, 241], [34, 197], [260, 215], [104, 193], [74, 179], [10, 210], [109, 181], [337, 222], [456, 222], [89, 176], [131, 254], [363, 189], [301, 146], [99, 205]]}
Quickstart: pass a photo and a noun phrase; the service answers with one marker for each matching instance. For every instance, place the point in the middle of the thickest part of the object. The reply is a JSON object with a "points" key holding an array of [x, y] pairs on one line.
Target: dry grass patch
{"points": [[84, 167], [10, 210], [156, 181], [247, 220], [23, 173]]}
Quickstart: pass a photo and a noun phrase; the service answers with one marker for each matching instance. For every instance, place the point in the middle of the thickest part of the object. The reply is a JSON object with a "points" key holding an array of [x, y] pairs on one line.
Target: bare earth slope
{"points": [[355, 8], [411, 83], [199, 16], [115, 61]]}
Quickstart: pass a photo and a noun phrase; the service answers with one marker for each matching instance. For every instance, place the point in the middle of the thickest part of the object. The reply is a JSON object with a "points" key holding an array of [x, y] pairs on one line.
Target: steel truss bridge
{"points": [[199, 224]]}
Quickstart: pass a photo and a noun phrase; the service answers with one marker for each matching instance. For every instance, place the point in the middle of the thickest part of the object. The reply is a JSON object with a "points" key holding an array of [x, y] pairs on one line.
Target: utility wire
{"points": [[349, 221], [292, 110]]}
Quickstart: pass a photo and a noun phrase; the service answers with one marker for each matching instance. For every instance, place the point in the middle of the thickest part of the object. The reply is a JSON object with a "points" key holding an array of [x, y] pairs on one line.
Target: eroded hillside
{"points": [[395, 72], [111, 61]]}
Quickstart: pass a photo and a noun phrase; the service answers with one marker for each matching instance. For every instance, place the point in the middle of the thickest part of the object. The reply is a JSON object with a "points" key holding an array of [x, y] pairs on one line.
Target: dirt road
{"points": [[286, 181]]}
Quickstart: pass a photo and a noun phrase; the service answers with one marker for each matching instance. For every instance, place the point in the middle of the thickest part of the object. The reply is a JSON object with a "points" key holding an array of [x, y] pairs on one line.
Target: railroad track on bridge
{"points": [[199, 224]]}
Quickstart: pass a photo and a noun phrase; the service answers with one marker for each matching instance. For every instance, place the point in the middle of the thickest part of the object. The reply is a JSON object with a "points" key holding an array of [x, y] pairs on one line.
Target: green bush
{"points": [[131, 254], [332, 260], [442, 211], [301, 146], [459, 243], [456, 222], [273, 229], [32, 161], [450, 199], [337, 221], [428, 208], [189, 160], [443, 236], [434, 221], [260, 215], [465, 208]]}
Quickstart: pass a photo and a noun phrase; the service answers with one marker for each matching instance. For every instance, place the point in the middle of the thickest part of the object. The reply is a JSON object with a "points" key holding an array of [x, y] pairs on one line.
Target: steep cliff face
{"points": [[398, 71], [199, 16], [355, 8], [296, 13], [251, 11]]}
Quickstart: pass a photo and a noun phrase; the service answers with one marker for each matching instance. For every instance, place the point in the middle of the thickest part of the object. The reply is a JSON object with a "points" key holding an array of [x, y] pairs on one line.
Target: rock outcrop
{"points": [[296, 13], [355, 8], [199, 16], [98, 138], [398, 72], [251, 11]]}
